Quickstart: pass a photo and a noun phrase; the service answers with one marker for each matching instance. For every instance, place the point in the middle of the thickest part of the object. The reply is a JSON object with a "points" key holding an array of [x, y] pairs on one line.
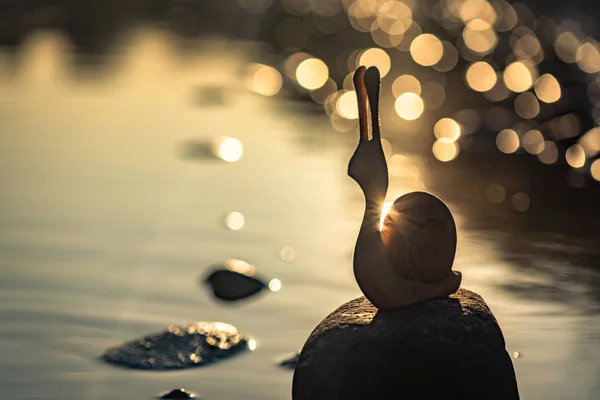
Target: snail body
{"points": [[410, 260]]}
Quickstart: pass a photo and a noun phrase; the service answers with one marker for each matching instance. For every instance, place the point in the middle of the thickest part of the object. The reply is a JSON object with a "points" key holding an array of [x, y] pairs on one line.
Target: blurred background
{"points": [[143, 142]]}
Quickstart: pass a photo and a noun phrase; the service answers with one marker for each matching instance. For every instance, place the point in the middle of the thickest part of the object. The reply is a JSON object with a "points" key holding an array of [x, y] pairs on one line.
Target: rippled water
{"points": [[106, 228]]}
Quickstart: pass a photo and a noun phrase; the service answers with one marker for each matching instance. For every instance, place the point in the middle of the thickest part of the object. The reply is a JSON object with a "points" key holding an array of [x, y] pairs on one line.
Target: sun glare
{"points": [[387, 206]]}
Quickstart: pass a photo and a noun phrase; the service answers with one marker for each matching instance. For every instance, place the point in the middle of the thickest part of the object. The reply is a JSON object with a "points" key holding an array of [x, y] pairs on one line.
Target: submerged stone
{"points": [[290, 361], [179, 347], [236, 281], [177, 394]]}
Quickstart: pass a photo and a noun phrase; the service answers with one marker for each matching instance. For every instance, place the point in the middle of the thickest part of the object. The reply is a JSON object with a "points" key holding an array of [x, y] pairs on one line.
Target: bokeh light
{"points": [[291, 63], [520, 202], [498, 93], [252, 344], [595, 170], [413, 31], [376, 58], [348, 83], [263, 79], [575, 156], [433, 95], [564, 127], [469, 10], [445, 150], [590, 142], [518, 77], [274, 285], [533, 142], [400, 165], [387, 148], [479, 36], [547, 88], [347, 105], [549, 155], [447, 128], [321, 94], [312, 73], [507, 141], [449, 58], [227, 148], [469, 120], [409, 106], [481, 77], [566, 47], [507, 17], [588, 57], [388, 39], [287, 253], [406, 83], [527, 105], [235, 221], [495, 194], [528, 46], [426, 49], [342, 124], [361, 15], [393, 13]]}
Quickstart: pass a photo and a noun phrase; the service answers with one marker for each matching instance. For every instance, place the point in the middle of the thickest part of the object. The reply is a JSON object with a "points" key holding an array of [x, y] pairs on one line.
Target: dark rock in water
{"points": [[449, 348], [177, 394], [290, 361], [180, 347], [236, 281]]}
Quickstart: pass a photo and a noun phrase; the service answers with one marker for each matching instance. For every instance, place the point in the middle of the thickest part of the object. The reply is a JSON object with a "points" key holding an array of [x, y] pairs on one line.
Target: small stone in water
{"points": [[290, 361], [180, 347], [177, 394], [234, 282]]}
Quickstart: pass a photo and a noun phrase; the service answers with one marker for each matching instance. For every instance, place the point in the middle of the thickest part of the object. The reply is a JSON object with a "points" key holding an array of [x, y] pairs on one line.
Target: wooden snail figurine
{"points": [[410, 259]]}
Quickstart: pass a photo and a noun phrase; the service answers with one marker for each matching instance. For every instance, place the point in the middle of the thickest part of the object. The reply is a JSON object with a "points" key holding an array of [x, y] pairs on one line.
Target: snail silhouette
{"points": [[410, 259]]}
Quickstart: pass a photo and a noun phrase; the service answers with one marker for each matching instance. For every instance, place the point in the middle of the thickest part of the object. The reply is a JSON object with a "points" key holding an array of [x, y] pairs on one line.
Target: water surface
{"points": [[105, 229]]}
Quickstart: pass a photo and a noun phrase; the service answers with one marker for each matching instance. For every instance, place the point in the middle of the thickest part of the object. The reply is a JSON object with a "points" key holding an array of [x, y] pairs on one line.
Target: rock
{"points": [[236, 281], [177, 394], [290, 361], [181, 347], [448, 348]]}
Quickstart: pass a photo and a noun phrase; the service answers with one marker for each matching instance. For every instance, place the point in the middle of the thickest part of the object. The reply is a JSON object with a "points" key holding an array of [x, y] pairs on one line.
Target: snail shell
{"points": [[419, 233]]}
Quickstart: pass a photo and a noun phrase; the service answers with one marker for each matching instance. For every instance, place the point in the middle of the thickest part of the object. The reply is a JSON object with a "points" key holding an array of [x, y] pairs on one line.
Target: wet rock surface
{"points": [[179, 347], [178, 394], [235, 280], [449, 348]]}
